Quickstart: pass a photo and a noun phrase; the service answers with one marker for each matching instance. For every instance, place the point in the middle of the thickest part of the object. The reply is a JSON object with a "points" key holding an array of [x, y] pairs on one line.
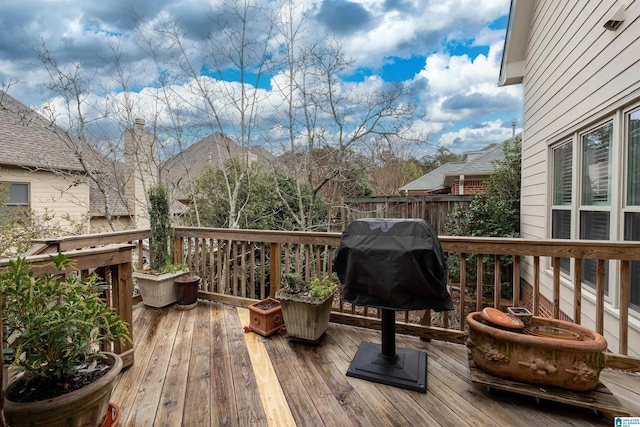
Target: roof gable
{"points": [[515, 42], [480, 165], [29, 140]]}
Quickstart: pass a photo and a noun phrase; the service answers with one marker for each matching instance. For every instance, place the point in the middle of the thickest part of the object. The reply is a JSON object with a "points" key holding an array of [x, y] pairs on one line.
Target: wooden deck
{"points": [[198, 368]]}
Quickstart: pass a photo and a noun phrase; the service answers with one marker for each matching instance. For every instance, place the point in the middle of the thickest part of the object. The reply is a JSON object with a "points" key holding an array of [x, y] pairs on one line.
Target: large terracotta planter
{"points": [[568, 364], [187, 291], [157, 290], [265, 317], [306, 318], [84, 407]]}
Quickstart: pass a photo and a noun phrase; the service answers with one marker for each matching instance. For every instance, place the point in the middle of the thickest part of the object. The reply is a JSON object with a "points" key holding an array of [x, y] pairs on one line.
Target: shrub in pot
{"points": [[54, 323], [306, 306], [156, 284]]}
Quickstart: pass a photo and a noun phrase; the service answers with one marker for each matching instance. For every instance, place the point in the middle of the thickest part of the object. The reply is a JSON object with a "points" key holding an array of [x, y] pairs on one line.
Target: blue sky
{"points": [[447, 52]]}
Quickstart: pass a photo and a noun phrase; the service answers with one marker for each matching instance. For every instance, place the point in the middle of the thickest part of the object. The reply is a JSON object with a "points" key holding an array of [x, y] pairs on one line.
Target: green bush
{"points": [[54, 322]]}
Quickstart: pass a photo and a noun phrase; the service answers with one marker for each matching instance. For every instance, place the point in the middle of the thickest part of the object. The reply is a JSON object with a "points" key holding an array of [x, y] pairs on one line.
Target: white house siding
{"points": [[576, 74], [52, 194]]}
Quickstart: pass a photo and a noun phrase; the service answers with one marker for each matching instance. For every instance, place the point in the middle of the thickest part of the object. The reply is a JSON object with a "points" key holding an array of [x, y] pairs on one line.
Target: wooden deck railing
{"points": [[240, 266]]}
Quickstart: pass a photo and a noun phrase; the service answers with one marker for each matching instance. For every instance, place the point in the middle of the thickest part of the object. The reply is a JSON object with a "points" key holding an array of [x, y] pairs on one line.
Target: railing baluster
{"points": [[275, 270], [263, 278], [463, 289], [243, 270], [577, 291], [287, 261], [479, 282], [516, 281], [556, 287], [536, 286], [625, 293], [600, 297], [497, 283], [319, 270], [252, 271]]}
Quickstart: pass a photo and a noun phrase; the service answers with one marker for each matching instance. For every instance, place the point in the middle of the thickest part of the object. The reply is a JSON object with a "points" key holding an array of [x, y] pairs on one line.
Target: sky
{"points": [[447, 52]]}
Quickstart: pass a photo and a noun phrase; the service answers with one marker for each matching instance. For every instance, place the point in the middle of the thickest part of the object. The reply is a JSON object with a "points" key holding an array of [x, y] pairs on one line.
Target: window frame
{"points": [[10, 204]]}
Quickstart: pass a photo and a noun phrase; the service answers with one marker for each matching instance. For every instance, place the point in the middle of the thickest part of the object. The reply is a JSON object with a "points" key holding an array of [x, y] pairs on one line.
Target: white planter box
{"points": [[157, 290]]}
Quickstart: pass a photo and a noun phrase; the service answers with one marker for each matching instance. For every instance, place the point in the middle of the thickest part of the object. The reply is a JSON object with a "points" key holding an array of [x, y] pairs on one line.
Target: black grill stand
{"points": [[403, 368]]}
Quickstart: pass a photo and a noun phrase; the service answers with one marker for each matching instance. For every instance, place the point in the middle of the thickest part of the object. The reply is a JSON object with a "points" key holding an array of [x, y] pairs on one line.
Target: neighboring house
{"points": [[579, 65], [465, 177], [42, 173], [209, 153]]}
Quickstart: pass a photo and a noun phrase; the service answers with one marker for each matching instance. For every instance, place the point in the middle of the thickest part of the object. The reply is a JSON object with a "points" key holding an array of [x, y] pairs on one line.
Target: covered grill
{"points": [[392, 264]]}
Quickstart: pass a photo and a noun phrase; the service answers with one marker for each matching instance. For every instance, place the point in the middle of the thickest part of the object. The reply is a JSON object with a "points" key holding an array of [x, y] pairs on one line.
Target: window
{"points": [[600, 200], [17, 195], [595, 192], [632, 232], [632, 211], [562, 193]]}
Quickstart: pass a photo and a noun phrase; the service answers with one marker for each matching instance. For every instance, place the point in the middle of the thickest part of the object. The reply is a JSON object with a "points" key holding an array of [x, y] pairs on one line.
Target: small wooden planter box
{"points": [[266, 322]]}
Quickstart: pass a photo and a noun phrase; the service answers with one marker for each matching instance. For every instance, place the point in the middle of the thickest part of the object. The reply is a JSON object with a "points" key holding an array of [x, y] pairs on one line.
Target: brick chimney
{"points": [[141, 171]]}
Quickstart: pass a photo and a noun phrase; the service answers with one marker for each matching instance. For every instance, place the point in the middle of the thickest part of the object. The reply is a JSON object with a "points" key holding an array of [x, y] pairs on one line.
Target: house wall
{"points": [[577, 73], [471, 187], [100, 224], [53, 194]]}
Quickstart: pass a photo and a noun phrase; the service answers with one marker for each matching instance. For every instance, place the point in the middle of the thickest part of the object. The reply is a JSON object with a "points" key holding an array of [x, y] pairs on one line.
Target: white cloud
{"points": [[466, 139], [453, 87]]}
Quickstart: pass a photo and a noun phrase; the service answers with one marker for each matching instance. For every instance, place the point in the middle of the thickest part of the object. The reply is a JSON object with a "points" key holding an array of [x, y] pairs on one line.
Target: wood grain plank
{"points": [[197, 411], [151, 384], [125, 391], [249, 407], [285, 364], [222, 401], [173, 397], [273, 399]]}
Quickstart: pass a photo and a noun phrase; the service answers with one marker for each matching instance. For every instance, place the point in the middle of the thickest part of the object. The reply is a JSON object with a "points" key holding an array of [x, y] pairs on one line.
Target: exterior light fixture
{"points": [[615, 20]]}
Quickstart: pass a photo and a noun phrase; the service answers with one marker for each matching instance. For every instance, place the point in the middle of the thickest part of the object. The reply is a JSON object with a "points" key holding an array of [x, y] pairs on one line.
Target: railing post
{"points": [[178, 250], [122, 284], [275, 269]]}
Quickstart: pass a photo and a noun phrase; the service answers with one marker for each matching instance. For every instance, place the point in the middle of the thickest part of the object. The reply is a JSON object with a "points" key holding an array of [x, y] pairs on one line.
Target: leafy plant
{"points": [[494, 214], [55, 321], [322, 287], [318, 287]]}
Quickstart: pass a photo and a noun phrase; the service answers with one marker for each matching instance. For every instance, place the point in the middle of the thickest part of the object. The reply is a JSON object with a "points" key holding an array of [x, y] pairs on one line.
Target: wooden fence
{"points": [[433, 209]]}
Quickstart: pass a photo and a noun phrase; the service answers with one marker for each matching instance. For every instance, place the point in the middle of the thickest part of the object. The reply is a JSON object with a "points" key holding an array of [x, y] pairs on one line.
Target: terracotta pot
{"points": [[569, 364], [113, 416], [84, 407], [266, 322], [187, 291]]}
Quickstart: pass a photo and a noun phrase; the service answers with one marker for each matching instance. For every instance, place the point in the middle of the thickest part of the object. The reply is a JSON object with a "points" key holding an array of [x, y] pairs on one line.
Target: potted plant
{"points": [[306, 306], [265, 317], [156, 284], [54, 323]]}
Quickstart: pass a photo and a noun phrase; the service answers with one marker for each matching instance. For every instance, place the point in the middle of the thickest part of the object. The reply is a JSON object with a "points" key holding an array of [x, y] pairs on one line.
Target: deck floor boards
{"points": [[198, 368]]}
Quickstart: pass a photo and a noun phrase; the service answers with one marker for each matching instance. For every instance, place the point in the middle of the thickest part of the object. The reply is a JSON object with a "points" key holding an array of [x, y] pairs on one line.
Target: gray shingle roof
{"points": [[28, 140], [480, 164], [211, 151]]}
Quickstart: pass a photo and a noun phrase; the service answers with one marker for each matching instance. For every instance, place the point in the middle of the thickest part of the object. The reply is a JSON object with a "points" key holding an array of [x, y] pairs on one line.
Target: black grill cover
{"points": [[394, 264]]}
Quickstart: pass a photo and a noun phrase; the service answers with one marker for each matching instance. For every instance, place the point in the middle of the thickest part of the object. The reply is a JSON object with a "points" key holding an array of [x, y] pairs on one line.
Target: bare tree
{"points": [[331, 124], [240, 42]]}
